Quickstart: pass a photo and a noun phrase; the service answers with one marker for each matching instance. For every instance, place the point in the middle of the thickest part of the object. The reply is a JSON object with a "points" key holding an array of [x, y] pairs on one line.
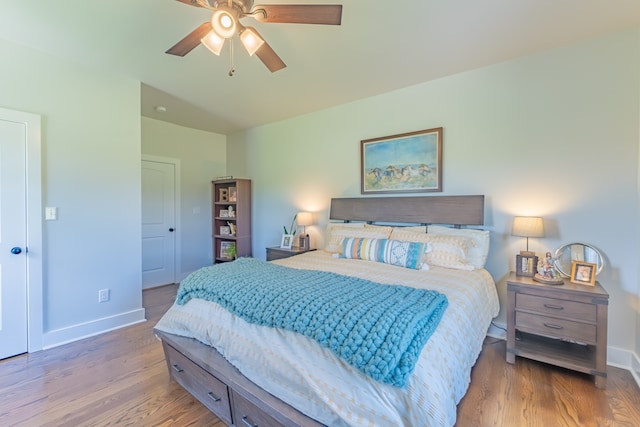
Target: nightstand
{"points": [[279, 253], [563, 325]]}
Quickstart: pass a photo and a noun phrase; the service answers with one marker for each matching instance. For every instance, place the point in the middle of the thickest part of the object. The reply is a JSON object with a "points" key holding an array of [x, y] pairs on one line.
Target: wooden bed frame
{"points": [[231, 396]]}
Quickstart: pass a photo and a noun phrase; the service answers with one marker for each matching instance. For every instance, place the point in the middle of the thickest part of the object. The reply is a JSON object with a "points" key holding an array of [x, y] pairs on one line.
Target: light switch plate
{"points": [[50, 213]]}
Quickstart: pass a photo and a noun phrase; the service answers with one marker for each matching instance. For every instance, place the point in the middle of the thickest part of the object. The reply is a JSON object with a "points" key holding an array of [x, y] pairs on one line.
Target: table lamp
{"points": [[527, 226], [304, 219]]}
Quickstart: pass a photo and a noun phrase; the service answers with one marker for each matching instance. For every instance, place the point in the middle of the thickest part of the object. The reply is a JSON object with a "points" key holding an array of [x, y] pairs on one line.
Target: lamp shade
{"points": [[528, 226], [304, 218], [251, 40], [213, 42]]}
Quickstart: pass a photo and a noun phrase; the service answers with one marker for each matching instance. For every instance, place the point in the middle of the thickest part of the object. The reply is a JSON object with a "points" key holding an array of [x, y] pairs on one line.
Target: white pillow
{"points": [[447, 251], [477, 252], [338, 232]]}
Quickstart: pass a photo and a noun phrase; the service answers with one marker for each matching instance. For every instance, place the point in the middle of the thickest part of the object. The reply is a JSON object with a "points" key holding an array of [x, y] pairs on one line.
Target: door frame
{"points": [[177, 256], [33, 172]]}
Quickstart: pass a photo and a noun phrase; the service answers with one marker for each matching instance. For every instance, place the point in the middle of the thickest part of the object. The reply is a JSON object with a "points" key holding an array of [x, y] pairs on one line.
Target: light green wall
{"points": [[554, 134], [91, 173], [202, 158]]}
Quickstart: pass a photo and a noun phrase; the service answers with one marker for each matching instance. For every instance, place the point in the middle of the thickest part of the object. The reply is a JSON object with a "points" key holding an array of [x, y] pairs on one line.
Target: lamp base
{"points": [[527, 253]]}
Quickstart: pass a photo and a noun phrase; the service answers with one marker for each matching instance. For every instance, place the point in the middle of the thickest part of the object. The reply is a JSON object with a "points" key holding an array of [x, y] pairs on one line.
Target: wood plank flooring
{"points": [[120, 379]]}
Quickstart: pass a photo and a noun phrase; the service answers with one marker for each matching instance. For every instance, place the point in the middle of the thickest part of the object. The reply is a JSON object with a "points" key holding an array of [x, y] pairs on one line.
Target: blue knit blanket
{"points": [[379, 329]]}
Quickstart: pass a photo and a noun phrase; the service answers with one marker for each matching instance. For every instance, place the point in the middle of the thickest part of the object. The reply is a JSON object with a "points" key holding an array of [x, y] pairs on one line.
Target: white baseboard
{"points": [[498, 331], [635, 368], [80, 331]]}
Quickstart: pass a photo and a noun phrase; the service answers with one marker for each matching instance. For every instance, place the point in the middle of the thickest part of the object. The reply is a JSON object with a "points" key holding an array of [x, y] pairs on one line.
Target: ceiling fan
{"points": [[225, 23]]}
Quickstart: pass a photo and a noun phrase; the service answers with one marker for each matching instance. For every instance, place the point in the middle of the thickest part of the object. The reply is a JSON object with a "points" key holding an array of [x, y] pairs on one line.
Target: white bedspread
{"points": [[313, 380]]}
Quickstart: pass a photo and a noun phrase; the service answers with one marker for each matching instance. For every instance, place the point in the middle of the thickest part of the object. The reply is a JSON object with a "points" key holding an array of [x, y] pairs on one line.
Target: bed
{"points": [[254, 375]]}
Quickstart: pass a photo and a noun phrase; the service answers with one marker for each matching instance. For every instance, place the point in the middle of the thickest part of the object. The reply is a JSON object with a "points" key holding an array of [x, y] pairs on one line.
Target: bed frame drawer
{"points": [[246, 414], [210, 391]]}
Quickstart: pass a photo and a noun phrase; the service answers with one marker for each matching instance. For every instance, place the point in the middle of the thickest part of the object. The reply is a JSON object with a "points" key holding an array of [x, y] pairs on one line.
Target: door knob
{"points": [[171, 230], [16, 250]]}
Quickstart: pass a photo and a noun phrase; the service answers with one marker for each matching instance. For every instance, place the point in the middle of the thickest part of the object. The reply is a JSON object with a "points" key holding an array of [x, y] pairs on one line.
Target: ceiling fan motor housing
{"points": [[243, 6]]}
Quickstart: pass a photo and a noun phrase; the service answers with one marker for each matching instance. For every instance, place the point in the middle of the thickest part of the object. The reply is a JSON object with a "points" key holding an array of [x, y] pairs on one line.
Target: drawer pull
{"points": [[247, 423], [213, 397], [552, 326], [554, 307], [177, 368]]}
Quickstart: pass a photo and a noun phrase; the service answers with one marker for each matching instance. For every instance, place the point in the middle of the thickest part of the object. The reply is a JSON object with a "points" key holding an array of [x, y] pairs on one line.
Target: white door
{"points": [[13, 238], [158, 224]]}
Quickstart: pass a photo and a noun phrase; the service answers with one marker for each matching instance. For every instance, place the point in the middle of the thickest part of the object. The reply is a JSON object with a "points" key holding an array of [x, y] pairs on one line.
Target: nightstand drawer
{"points": [[554, 327], [557, 307]]}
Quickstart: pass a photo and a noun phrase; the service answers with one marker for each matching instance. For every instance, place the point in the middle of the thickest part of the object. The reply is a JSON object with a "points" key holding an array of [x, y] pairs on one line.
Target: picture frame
{"points": [[227, 250], [233, 194], [526, 265], [225, 230], [224, 213], [287, 241], [583, 273], [407, 162]]}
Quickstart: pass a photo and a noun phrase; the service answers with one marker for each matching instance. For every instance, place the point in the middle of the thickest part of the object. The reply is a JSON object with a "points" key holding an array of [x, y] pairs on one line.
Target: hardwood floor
{"points": [[120, 378]]}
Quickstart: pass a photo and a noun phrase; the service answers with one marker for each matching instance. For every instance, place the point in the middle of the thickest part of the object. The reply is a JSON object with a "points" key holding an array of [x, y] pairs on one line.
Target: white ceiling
{"points": [[381, 46]]}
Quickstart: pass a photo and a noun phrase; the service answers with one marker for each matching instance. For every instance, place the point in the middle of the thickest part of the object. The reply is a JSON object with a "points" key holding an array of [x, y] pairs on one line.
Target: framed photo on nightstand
{"points": [[583, 273], [287, 241], [526, 265]]}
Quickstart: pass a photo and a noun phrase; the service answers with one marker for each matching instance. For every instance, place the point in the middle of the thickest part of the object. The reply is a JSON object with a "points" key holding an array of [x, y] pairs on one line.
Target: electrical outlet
{"points": [[103, 295]]}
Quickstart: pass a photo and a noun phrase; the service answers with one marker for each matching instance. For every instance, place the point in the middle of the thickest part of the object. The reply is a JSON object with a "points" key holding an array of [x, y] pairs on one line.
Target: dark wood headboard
{"points": [[455, 210]]}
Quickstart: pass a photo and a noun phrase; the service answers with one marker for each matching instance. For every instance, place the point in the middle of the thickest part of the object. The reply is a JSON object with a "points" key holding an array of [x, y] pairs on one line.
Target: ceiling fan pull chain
{"points": [[232, 70]]}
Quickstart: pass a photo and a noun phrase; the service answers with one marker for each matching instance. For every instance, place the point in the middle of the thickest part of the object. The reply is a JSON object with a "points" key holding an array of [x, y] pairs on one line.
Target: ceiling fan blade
{"points": [[190, 3], [327, 14], [270, 58], [191, 41]]}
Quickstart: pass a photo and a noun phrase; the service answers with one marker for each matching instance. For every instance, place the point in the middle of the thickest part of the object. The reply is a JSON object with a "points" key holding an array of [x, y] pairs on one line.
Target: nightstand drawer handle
{"points": [[554, 307], [213, 397], [177, 368], [552, 326]]}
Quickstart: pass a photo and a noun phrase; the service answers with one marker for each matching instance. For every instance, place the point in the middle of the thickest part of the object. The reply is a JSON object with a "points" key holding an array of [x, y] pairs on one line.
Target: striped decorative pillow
{"points": [[394, 252], [339, 232]]}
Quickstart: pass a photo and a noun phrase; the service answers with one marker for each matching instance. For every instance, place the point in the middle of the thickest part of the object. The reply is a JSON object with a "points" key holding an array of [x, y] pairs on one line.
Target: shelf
{"points": [[240, 189], [558, 352]]}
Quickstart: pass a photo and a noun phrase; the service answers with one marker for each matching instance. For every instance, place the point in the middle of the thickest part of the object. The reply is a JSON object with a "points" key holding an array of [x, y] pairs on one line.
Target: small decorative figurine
{"points": [[232, 228], [547, 272]]}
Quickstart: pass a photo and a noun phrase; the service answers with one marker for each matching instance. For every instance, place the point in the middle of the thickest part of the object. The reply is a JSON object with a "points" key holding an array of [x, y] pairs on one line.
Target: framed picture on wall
{"points": [[408, 162]]}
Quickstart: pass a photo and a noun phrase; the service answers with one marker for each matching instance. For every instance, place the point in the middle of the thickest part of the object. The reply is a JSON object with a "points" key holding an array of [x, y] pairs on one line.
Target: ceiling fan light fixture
{"points": [[224, 23], [213, 42], [251, 40]]}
